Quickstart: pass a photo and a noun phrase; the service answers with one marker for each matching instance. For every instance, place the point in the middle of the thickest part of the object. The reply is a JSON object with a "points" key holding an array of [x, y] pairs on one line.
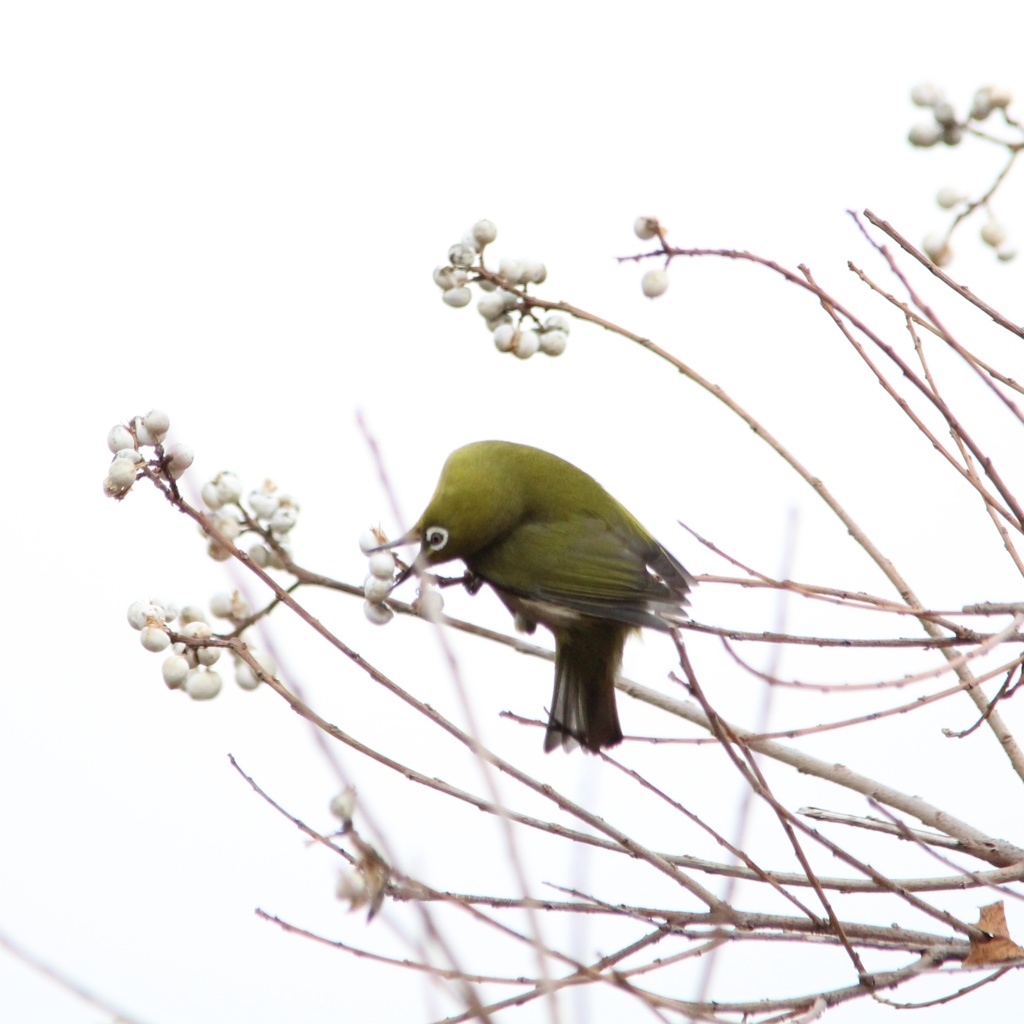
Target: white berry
{"points": [[924, 135], [120, 437], [553, 343], [121, 474], [203, 684], [378, 614], [157, 423], [179, 458], [511, 270], [141, 432], [944, 113], [141, 613], [430, 603], [207, 655], [937, 249], [343, 804], [645, 228], [260, 555], [284, 519], [504, 338], [174, 670], [924, 94], [155, 638], [263, 504], [211, 497], [376, 589], [981, 105], [999, 98], [491, 306], [484, 232], [527, 344], [444, 278], [462, 255], [368, 541], [231, 606], [191, 613], [654, 283], [278, 559], [382, 565], [229, 487], [457, 297], [245, 677], [217, 551], [228, 525], [137, 614], [993, 233], [948, 197], [532, 272]]}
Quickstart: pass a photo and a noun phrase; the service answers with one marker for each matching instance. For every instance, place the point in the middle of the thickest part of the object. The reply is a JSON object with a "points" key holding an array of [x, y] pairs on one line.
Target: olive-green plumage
{"points": [[558, 550]]}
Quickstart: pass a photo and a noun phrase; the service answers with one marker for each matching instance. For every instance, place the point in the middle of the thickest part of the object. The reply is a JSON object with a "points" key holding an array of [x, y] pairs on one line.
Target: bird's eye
{"points": [[436, 537]]}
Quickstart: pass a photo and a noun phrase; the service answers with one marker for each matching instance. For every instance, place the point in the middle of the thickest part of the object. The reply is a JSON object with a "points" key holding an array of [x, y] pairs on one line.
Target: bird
{"points": [[561, 552]]}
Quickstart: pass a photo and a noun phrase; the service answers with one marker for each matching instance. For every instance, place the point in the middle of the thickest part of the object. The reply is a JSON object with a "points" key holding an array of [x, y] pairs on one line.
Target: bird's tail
{"points": [[587, 660]]}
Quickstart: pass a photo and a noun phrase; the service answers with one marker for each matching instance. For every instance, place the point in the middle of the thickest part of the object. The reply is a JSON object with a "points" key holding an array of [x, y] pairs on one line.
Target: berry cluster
{"points": [[381, 581], [189, 666], [946, 126], [950, 129], [364, 884], [266, 513], [129, 463], [506, 307]]}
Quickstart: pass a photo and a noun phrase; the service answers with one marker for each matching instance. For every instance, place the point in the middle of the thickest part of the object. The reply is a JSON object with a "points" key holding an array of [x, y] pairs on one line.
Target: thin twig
{"points": [[966, 293]]}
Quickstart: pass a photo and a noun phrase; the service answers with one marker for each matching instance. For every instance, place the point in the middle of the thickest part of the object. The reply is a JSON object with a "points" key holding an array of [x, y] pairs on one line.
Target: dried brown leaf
{"points": [[1000, 948]]}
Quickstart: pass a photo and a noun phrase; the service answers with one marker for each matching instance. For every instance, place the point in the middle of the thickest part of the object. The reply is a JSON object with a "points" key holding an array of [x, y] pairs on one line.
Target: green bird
{"points": [[558, 550]]}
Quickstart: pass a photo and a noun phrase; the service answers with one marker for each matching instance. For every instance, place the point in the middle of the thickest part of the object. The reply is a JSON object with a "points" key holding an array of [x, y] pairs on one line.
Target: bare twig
{"points": [[965, 293]]}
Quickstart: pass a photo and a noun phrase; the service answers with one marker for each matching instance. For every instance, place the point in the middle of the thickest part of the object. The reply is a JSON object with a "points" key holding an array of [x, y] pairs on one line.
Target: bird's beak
{"points": [[412, 537]]}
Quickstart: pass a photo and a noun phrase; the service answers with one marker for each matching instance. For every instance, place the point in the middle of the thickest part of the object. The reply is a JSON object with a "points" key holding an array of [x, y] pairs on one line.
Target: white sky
{"points": [[231, 211]]}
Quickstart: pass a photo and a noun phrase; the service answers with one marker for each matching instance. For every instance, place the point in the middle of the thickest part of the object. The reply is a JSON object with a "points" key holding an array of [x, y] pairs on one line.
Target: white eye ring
{"points": [[435, 537]]}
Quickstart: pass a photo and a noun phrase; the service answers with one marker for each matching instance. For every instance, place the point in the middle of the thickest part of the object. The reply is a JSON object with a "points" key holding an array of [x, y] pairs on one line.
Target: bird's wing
{"points": [[587, 566]]}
